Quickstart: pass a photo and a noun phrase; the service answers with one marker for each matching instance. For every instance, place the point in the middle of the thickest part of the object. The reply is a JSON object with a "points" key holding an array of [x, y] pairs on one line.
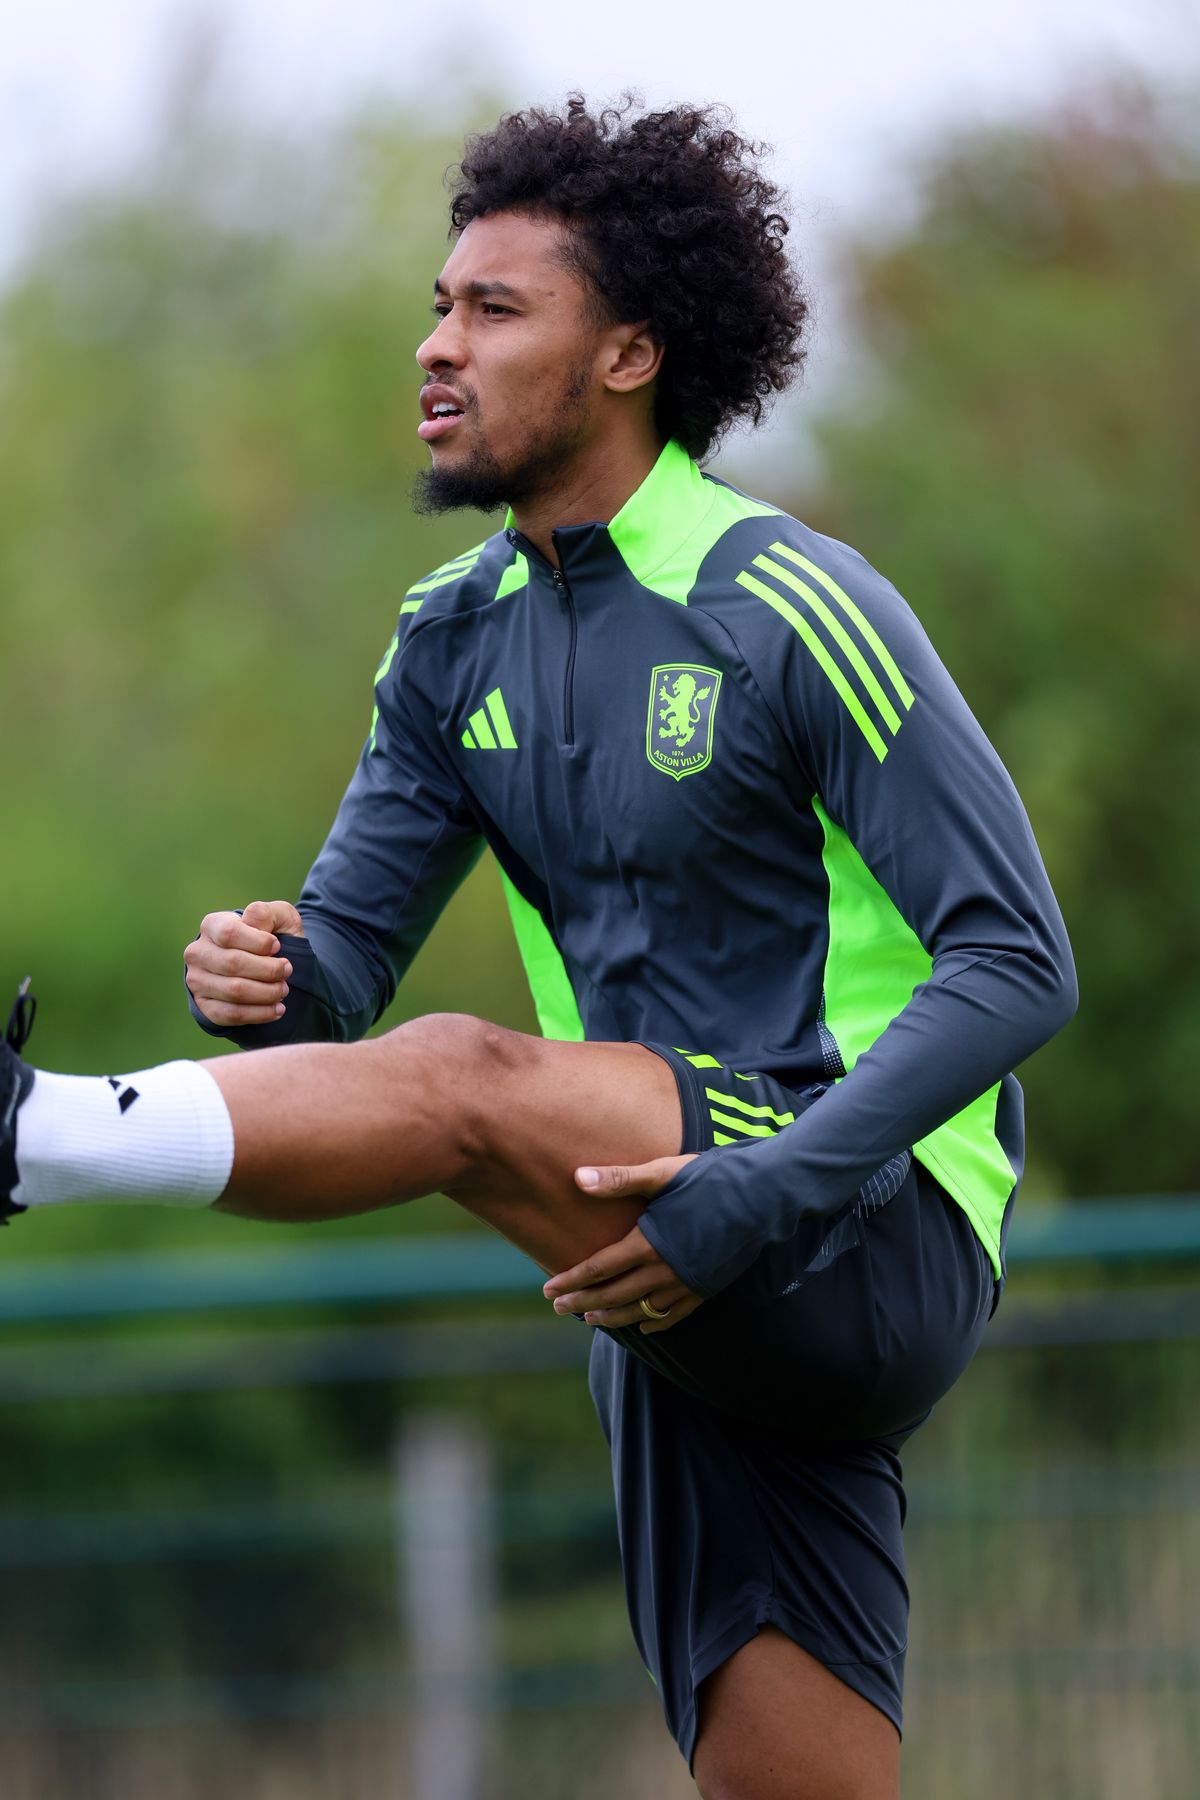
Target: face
{"points": [[512, 366]]}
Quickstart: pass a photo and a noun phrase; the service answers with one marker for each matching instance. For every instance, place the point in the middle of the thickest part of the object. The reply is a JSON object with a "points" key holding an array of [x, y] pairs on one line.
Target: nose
{"points": [[443, 347]]}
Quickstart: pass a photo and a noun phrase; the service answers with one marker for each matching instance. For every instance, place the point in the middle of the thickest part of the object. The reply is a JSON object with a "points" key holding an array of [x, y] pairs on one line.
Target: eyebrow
{"points": [[480, 290]]}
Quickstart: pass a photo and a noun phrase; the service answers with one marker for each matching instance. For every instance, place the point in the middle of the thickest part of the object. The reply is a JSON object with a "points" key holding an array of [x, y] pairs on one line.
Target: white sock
{"points": [[161, 1134]]}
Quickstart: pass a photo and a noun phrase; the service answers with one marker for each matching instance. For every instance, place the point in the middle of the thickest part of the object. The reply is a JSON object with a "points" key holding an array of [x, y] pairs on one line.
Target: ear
{"points": [[633, 357]]}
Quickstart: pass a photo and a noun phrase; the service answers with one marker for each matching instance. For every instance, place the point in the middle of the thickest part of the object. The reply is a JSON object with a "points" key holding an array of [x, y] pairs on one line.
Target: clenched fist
{"points": [[234, 972]]}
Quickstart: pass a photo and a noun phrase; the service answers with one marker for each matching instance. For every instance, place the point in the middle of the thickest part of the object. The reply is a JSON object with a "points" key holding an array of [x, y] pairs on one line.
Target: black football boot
{"points": [[16, 1079]]}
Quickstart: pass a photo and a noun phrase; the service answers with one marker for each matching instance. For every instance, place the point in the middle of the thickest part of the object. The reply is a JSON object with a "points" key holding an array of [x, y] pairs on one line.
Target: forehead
{"points": [[514, 249]]}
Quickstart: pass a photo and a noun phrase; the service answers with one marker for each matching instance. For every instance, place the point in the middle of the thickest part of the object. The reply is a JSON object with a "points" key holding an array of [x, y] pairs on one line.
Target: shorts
{"points": [[755, 1445]]}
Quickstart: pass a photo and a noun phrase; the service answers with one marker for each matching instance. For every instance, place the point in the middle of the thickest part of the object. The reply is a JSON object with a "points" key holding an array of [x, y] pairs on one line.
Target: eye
{"points": [[490, 307], [441, 308]]}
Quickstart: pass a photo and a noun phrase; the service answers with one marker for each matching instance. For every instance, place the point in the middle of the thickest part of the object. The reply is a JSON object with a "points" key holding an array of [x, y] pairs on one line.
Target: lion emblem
{"points": [[679, 724]]}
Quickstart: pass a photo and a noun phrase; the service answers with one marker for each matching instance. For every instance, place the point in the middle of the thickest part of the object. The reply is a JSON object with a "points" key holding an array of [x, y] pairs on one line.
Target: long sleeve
{"points": [[937, 898], [401, 843]]}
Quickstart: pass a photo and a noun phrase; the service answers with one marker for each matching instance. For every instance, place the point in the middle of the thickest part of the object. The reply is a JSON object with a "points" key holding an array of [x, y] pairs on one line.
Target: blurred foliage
{"points": [[1024, 462], [207, 434]]}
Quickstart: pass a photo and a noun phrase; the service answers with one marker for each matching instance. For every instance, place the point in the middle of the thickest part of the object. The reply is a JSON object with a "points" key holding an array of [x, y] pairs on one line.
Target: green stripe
{"points": [[740, 1125], [483, 731], [409, 606], [549, 983], [849, 698], [850, 649], [756, 1112], [469, 741], [441, 580], [720, 1138], [504, 731], [864, 625], [698, 1061]]}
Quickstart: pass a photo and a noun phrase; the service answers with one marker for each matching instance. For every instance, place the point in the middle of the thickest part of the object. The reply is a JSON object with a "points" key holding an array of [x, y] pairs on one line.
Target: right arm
{"points": [[402, 841]]}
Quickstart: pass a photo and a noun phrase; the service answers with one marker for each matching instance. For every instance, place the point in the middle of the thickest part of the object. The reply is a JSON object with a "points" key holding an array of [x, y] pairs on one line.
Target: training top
{"points": [[741, 809]]}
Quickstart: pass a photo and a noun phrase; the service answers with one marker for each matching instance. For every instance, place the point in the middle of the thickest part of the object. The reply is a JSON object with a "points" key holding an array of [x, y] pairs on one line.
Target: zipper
{"points": [[560, 582], [522, 543]]}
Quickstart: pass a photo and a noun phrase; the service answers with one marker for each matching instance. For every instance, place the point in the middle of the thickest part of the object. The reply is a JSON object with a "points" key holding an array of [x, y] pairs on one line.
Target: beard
{"points": [[482, 483]]}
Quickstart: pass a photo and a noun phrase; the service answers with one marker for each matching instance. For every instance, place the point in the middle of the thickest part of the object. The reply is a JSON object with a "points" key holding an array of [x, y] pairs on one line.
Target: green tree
{"points": [[1023, 459]]}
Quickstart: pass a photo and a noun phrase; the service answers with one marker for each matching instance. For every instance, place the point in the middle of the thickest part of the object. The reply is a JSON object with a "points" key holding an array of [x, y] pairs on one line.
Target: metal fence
{"points": [[335, 1520]]}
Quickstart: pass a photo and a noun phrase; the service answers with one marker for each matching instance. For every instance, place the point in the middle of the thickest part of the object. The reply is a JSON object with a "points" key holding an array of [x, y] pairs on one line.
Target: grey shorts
{"points": [[755, 1445]]}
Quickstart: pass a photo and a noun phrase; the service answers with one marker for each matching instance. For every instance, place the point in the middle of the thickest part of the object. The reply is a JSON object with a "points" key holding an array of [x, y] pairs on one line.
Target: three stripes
{"points": [[872, 689], [490, 728], [729, 1114], [451, 571]]}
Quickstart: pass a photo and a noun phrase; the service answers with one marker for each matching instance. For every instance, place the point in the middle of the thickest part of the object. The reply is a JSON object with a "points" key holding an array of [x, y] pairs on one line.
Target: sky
{"points": [[846, 93]]}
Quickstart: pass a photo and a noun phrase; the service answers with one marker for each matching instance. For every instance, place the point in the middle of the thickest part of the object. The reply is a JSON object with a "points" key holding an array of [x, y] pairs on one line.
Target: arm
{"points": [[936, 827], [402, 841]]}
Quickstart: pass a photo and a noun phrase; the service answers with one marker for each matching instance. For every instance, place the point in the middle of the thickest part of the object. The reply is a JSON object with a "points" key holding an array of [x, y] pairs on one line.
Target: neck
{"points": [[593, 487]]}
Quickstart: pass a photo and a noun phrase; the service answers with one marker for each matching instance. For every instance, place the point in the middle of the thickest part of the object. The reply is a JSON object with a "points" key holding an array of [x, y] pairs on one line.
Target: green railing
{"points": [[465, 1266]]}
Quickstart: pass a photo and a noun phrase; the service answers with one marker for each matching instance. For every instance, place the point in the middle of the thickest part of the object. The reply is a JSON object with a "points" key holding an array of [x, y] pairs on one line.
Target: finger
{"points": [[682, 1310], [204, 985], [617, 1178], [236, 964], [625, 1289], [274, 915], [218, 1013], [231, 933], [664, 1298], [614, 1259]]}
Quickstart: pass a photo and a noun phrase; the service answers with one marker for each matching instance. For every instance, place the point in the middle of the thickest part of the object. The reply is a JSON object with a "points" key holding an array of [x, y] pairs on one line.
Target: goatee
{"points": [[479, 482]]}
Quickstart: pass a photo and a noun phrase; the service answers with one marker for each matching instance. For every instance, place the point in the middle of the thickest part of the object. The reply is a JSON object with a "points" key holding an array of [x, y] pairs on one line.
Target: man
{"points": [[782, 912]]}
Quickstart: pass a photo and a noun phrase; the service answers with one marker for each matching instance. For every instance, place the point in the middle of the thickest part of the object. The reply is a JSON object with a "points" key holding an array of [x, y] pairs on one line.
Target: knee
{"points": [[462, 1067]]}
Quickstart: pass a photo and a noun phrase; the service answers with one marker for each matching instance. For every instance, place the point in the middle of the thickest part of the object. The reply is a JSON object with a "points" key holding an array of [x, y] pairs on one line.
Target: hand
{"points": [[233, 972], [606, 1287]]}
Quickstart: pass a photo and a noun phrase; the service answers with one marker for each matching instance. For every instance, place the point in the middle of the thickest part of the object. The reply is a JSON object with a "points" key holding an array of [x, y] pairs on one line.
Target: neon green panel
{"points": [[676, 506], [549, 983], [874, 964], [515, 576], [504, 731], [469, 741]]}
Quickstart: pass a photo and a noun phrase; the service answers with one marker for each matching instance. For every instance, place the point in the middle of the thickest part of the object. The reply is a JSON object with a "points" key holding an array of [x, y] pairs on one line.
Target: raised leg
{"points": [[775, 1724], [497, 1120]]}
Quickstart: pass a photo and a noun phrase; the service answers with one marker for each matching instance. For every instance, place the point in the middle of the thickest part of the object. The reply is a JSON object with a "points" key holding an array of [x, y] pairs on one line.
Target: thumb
{"points": [[274, 915], [643, 1178]]}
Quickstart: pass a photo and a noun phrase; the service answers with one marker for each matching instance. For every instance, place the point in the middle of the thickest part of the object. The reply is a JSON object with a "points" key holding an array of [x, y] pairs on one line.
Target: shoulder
{"points": [[762, 543], [472, 579], [771, 578]]}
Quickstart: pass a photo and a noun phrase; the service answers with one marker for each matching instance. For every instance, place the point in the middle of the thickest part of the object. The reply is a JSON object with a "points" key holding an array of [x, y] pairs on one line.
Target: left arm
{"points": [[936, 822]]}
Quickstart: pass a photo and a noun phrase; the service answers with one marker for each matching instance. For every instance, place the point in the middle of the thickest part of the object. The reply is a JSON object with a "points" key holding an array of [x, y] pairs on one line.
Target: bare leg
{"points": [[497, 1120], [775, 1724]]}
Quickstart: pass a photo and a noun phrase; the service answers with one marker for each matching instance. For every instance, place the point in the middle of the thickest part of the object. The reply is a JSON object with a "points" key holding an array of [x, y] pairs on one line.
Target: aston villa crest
{"points": [[679, 724]]}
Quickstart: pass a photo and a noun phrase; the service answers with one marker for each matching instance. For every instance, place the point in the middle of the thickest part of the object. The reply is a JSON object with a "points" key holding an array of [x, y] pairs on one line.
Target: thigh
{"points": [[542, 1109], [776, 1724], [854, 1326]]}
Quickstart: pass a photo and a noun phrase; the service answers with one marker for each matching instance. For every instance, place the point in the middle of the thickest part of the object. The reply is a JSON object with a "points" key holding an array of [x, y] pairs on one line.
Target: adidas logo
{"points": [[125, 1095], [489, 728]]}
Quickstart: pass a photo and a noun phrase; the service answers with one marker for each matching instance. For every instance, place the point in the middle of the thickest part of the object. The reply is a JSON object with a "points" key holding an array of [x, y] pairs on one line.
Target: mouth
{"points": [[443, 411]]}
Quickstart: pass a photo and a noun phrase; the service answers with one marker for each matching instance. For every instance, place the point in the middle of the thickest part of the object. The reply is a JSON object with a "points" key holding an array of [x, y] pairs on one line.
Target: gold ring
{"points": [[652, 1312]]}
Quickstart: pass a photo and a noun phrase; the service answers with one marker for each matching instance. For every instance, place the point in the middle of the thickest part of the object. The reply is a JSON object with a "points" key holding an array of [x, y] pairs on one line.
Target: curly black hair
{"points": [[672, 222]]}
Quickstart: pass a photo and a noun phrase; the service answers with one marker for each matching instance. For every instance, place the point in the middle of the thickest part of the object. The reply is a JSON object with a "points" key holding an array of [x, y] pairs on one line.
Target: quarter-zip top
{"points": [[780, 839]]}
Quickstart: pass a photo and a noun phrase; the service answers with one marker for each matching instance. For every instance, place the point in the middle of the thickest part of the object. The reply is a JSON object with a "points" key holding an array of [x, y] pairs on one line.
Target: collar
{"points": [[652, 530]]}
